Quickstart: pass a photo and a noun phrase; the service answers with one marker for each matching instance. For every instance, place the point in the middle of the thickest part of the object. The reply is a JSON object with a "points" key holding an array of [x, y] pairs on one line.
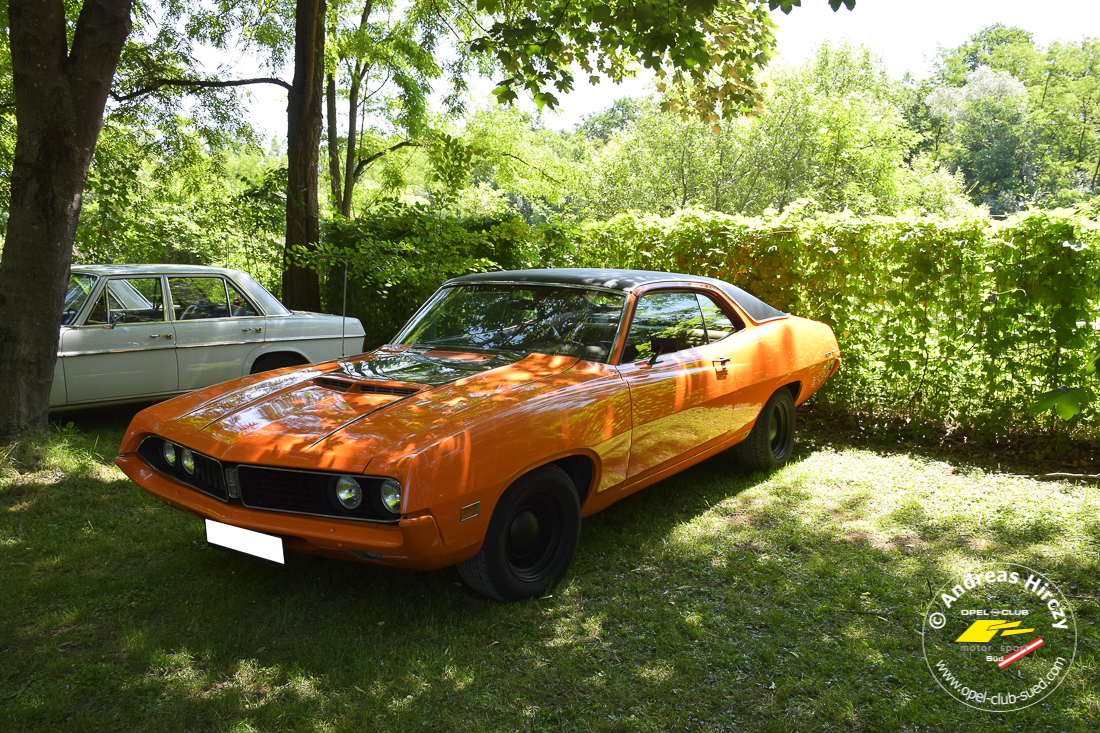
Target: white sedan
{"points": [[137, 332]]}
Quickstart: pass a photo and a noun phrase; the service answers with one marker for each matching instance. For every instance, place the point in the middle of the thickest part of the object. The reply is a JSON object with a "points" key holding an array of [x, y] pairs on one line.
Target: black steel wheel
{"points": [[768, 445], [531, 538]]}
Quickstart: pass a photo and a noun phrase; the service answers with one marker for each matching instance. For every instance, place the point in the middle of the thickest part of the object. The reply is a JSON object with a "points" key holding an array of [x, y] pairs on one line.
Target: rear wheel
{"points": [[769, 443], [268, 362], [531, 539]]}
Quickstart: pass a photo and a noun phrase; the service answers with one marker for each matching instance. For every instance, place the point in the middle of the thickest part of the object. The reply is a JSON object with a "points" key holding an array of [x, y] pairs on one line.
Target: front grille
{"points": [[207, 478], [307, 492]]}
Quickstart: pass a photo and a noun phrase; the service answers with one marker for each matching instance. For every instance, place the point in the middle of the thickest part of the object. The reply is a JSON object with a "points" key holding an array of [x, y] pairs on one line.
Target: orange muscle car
{"points": [[511, 405]]}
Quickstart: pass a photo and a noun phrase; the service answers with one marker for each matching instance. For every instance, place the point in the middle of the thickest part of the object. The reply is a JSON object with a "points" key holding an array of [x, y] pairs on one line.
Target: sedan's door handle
{"points": [[159, 335], [720, 362], [246, 330]]}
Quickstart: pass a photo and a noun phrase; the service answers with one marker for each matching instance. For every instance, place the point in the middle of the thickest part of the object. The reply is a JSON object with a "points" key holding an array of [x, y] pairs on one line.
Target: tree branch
{"points": [[364, 163], [196, 84], [545, 175]]}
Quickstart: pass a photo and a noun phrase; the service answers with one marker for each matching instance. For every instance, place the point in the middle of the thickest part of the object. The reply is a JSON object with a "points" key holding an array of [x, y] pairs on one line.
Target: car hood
{"points": [[338, 416]]}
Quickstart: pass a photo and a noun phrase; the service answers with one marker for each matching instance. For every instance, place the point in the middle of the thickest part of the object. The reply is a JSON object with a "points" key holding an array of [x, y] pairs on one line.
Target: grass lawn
{"points": [[715, 600]]}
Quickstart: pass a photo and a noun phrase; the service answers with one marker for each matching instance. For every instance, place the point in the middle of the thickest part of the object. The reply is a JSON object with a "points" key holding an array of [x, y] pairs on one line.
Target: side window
{"points": [[719, 324], [239, 306], [198, 297], [664, 323], [129, 300]]}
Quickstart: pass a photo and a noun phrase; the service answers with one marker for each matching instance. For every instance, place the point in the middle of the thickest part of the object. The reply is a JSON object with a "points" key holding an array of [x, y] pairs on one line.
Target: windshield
{"points": [[519, 318], [79, 288]]}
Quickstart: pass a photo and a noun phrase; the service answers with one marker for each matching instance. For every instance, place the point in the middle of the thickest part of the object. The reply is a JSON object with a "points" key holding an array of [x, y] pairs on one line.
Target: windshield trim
{"points": [[524, 284]]}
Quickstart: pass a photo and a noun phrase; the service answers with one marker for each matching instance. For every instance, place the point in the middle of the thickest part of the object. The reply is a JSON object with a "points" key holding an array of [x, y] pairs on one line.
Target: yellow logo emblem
{"points": [[981, 632]]}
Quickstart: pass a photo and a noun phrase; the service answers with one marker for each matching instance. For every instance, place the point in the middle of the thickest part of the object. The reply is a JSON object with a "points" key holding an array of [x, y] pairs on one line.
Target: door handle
{"points": [[246, 330], [720, 365], [159, 335]]}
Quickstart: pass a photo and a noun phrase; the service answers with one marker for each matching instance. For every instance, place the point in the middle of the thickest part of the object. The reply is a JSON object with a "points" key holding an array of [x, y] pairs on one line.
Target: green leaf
{"points": [[1065, 401], [787, 5]]}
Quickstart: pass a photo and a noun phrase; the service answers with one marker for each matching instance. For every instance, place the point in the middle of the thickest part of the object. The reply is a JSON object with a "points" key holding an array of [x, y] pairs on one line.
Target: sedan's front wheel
{"points": [[769, 443], [531, 539]]}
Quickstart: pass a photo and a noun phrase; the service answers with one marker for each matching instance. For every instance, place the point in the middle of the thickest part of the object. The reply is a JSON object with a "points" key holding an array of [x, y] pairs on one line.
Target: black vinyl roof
{"points": [[624, 280]]}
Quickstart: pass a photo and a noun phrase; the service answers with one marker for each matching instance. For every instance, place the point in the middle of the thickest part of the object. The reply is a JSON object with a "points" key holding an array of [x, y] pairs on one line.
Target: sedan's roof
{"points": [[623, 280], [151, 269], [267, 302]]}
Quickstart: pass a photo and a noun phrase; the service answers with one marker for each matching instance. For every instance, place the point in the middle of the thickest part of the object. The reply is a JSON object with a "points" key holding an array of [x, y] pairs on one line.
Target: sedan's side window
{"points": [[664, 323], [719, 324], [199, 297], [239, 307], [128, 300]]}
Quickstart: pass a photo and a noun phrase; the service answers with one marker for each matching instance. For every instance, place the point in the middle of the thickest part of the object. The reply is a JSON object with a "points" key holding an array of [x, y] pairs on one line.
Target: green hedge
{"points": [[956, 324]]}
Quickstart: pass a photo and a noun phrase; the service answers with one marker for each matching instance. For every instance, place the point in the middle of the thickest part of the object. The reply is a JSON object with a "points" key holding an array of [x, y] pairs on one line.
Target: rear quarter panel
{"points": [[315, 336]]}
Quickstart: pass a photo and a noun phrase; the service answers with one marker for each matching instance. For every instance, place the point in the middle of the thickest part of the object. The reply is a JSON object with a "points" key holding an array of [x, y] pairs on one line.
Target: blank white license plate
{"points": [[257, 544]]}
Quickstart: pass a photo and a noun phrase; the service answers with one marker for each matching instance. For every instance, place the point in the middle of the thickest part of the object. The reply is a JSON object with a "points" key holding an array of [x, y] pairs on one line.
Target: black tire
{"points": [[768, 445], [531, 539], [268, 362]]}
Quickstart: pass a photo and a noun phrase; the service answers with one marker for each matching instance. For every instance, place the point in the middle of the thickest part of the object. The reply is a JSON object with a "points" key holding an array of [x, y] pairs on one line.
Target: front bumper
{"points": [[414, 542]]}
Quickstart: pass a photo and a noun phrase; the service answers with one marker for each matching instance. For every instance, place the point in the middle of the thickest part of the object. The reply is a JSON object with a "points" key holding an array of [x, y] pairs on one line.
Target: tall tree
{"points": [[831, 135], [60, 93], [301, 289], [1044, 147], [381, 65]]}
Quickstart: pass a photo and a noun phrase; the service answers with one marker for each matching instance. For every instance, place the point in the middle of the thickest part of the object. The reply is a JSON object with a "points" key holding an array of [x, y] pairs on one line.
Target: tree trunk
{"points": [[59, 99], [352, 156], [301, 289], [335, 185]]}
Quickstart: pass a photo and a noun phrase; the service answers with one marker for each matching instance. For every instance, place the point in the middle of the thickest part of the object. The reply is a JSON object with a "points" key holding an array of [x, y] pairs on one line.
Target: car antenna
{"points": [[344, 312]]}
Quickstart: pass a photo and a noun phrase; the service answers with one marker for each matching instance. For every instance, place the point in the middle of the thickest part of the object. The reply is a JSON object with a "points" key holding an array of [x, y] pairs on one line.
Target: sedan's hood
{"points": [[340, 415]]}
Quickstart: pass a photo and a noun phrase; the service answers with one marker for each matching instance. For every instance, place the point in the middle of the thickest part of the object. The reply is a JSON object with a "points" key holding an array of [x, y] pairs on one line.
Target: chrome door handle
{"points": [[720, 362], [246, 330], [159, 335]]}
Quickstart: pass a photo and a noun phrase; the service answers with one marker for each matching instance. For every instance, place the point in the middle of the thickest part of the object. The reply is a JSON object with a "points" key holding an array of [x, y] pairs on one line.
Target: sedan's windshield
{"points": [[521, 319], [79, 288]]}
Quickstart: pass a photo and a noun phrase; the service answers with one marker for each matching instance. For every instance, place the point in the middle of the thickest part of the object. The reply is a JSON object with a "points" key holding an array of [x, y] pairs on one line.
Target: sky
{"points": [[905, 33]]}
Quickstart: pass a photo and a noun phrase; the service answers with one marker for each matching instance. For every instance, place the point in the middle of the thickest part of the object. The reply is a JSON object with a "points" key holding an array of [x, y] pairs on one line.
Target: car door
{"points": [[682, 385], [124, 347], [217, 327]]}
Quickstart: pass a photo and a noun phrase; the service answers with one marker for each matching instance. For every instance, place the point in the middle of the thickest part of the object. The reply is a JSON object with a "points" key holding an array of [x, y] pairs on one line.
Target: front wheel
{"points": [[531, 539], [768, 445]]}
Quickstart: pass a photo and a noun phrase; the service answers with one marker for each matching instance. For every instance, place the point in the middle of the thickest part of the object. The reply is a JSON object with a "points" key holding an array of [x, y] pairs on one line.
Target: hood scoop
{"points": [[353, 386]]}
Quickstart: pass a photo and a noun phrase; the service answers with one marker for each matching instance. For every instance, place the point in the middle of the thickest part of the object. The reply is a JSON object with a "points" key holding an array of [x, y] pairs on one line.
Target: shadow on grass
{"points": [[714, 600]]}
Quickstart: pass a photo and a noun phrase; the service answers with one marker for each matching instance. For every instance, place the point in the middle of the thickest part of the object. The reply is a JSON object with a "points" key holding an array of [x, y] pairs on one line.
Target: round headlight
{"points": [[169, 451], [187, 458], [391, 495], [348, 492]]}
